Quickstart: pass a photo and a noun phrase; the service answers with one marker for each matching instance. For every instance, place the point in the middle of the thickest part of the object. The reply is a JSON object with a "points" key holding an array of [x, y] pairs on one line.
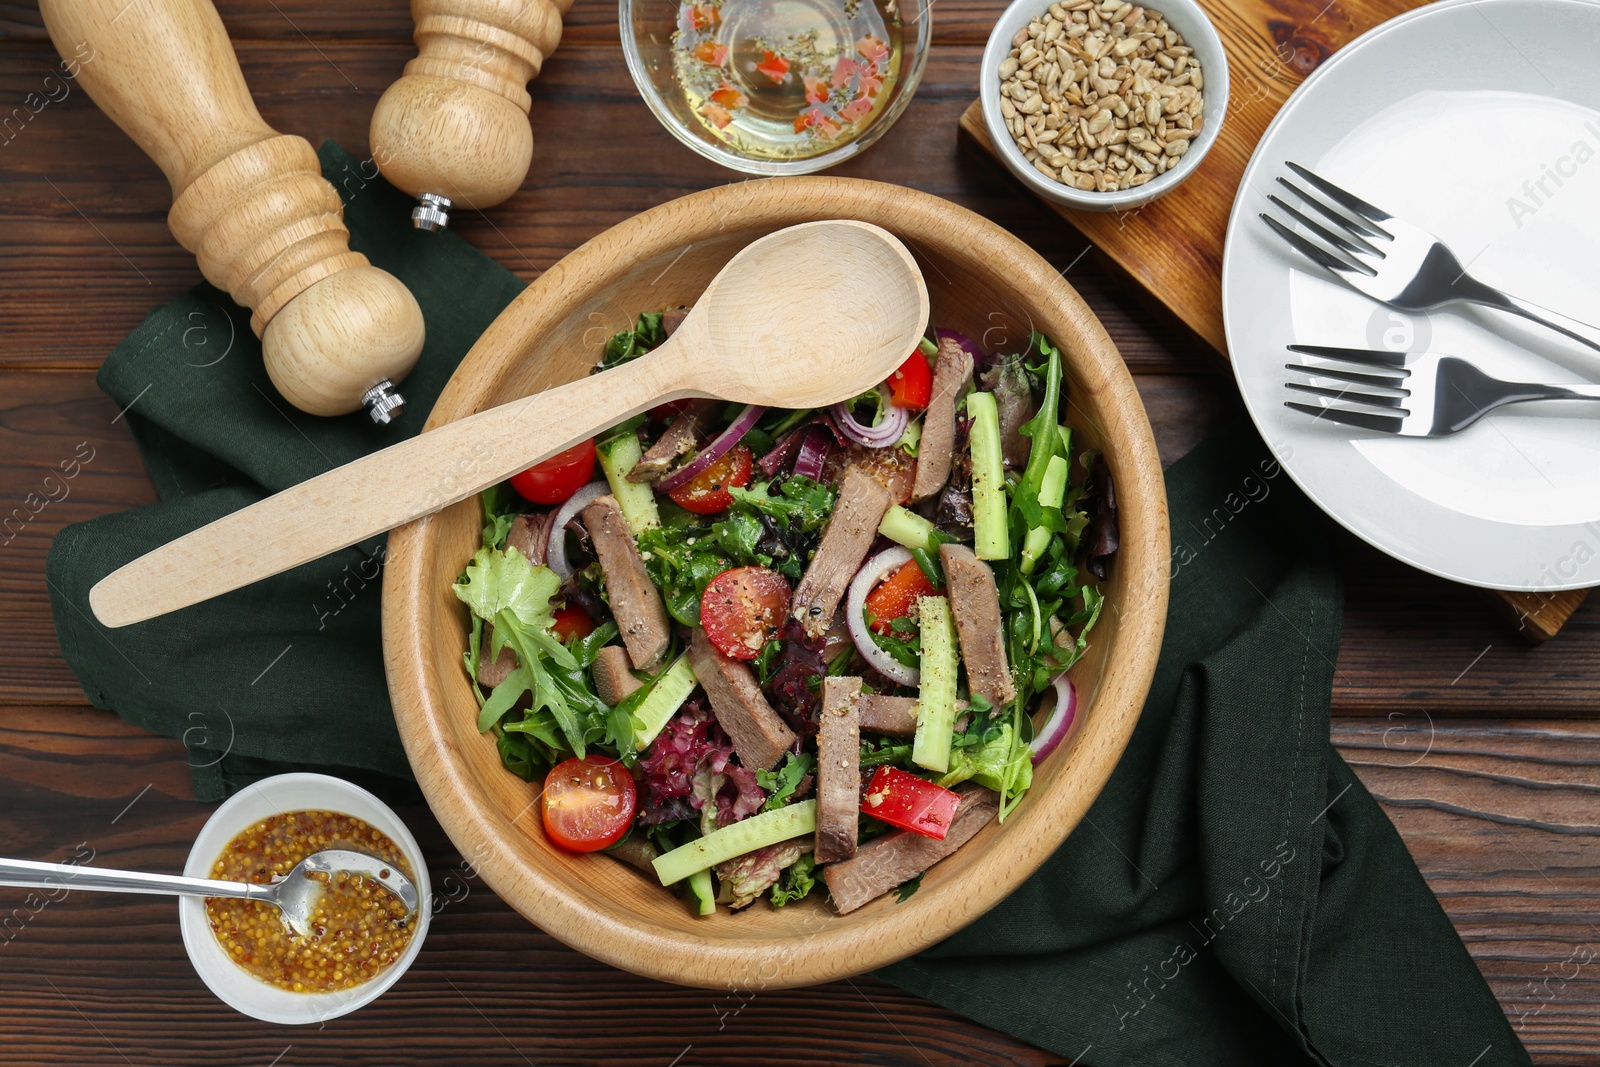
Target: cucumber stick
{"points": [[936, 700], [907, 528], [667, 694], [637, 499], [1051, 493], [701, 896], [991, 537], [758, 831]]}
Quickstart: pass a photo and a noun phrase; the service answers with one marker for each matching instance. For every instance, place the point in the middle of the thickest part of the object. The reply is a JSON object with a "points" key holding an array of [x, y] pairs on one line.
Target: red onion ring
{"points": [[556, 554], [881, 435], [967, 344], [720, 446], [872, 572], [1062, 716], [782, 451], [813, 453]]}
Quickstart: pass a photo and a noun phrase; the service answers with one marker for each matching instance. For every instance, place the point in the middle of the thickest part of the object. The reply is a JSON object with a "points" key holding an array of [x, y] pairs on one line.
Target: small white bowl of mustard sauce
{"points": [[242, 950]]}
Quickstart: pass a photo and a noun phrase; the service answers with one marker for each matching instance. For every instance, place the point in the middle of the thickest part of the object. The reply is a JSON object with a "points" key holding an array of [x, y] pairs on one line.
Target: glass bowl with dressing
{"points": [[774, 87]]}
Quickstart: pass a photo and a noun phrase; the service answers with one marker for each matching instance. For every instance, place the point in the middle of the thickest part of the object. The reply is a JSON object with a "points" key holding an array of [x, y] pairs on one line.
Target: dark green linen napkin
{"points": [[287, 672], [1234, 897]]}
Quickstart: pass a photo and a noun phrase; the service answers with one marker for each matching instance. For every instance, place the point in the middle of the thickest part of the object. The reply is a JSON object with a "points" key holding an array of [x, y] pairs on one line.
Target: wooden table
{"points": [[1483, 749]]}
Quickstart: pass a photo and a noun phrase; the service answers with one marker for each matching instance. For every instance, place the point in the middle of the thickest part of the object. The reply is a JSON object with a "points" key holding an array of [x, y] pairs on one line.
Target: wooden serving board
{"points": [[1172, 247]]}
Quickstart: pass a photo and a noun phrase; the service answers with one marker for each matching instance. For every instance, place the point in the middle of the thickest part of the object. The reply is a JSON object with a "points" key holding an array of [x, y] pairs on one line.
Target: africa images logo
{"points": [[1536, 192]]}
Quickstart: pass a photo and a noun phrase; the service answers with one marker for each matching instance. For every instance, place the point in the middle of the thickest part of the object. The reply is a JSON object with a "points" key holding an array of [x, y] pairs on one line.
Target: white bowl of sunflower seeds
{"points": [[1103, 105]]}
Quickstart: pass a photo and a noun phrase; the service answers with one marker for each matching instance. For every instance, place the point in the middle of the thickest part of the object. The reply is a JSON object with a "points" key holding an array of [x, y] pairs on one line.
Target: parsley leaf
{"points": [[908, 887], [624, 345], [801, 505]]}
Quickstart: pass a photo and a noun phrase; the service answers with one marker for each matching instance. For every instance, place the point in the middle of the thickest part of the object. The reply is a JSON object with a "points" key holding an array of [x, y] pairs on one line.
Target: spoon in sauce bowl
{"points": [[295, 894]]}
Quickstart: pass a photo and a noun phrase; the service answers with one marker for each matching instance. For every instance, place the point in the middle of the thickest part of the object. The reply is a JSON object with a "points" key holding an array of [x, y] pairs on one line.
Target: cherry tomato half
{"points": [[902, 799], [744, 608], [571, 622], [896, 596], [707, 492], [589, 803], [912, 385], [558, 477]]}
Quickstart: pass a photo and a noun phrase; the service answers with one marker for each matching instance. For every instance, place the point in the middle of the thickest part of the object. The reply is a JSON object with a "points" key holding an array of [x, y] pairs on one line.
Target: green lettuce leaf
{"points": [[995, 763], [795, 882]]}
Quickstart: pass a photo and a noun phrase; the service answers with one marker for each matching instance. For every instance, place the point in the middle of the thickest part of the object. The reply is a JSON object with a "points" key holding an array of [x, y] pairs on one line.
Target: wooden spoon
{"points": [[804, 317]]}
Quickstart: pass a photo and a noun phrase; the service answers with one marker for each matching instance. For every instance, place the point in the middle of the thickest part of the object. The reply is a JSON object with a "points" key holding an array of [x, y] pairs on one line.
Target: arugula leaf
{"points": [[886, 752], [506, 694], [767, 660], [520, 756], [903, 648], [586, 649], [786, 779], [903, 892], [797, 880]]}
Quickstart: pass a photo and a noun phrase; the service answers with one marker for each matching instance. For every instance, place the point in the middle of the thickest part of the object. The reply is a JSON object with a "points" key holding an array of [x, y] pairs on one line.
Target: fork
{"points": [[1394, 262], [1415, 395]]}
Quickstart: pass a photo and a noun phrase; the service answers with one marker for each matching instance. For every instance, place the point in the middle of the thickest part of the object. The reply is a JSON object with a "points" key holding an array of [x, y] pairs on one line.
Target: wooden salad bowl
{"points": [[982, 281]]}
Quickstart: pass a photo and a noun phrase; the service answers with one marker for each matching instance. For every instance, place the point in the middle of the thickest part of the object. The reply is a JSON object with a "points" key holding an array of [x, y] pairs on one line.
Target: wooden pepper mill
{"points": [[249, 202], [454, 128]]}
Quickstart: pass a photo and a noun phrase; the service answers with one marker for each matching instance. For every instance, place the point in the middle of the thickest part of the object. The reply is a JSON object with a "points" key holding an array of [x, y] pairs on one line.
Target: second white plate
{"points": [[1463, 118]]}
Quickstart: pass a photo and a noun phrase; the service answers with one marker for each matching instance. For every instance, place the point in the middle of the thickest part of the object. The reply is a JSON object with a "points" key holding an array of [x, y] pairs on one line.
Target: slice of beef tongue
{"points": [[1013, 398], [680, 439], [530, 536], [759, 734], [613, 681], [860, 508], [838, 769], [635, 601], [492, 672], [885, 862], [975, 603], [896, 716], [951, 373]]}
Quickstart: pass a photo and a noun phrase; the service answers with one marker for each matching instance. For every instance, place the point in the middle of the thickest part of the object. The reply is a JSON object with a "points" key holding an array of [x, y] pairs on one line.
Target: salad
{"points": [[767, 649]]}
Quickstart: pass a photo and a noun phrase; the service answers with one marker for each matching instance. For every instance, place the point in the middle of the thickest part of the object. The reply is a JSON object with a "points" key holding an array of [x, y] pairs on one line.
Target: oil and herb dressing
{"points": [[787, 79]]}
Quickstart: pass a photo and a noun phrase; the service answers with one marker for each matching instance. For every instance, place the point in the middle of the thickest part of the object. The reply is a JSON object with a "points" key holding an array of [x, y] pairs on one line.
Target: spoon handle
{"points": [[69, 876], [376, 493]]}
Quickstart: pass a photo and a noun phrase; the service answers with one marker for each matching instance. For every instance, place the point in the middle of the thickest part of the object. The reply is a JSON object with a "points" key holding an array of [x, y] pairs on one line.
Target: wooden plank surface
{"points": [[1500, 809]]}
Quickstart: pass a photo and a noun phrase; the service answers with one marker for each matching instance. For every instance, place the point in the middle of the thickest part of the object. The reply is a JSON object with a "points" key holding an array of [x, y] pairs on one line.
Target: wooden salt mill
{"points": [[249, 202], [454, 128]]}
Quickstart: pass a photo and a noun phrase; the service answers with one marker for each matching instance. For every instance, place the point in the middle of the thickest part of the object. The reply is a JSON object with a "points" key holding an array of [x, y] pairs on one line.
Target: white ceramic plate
{"points": [[1472, 119]]}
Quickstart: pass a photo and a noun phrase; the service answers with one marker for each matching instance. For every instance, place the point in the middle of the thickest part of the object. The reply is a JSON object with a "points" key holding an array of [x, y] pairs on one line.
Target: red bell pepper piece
{"points": [[901, 799]]}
